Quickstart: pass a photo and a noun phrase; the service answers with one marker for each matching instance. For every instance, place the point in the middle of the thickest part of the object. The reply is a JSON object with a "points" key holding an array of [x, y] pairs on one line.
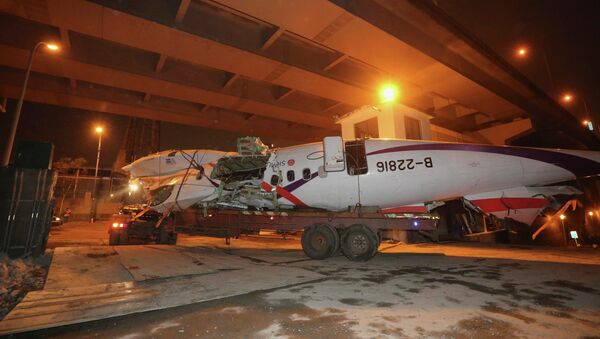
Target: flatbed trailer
{"points": [[357, 233]]}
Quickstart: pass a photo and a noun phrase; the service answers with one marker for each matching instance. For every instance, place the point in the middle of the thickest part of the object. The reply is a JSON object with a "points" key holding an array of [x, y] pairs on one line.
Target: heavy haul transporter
{"points": [[349, 194]]}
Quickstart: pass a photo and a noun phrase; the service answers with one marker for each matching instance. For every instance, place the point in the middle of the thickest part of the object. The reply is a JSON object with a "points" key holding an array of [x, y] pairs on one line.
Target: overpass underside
{"points": [[281, 69]]}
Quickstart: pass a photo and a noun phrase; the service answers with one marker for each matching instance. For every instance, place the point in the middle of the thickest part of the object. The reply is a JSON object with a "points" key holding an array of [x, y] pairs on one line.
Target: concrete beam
{"points": [[285, 95], [232, 124], [161, 63], [183, 7], [272, 39], [231, 80], [66, 46], [112, 25], [56, 66], [335, 62]]}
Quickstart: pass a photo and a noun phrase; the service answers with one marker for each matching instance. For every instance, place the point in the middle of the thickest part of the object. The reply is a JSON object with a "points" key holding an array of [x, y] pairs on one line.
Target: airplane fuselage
{"points": [[392, 173]]}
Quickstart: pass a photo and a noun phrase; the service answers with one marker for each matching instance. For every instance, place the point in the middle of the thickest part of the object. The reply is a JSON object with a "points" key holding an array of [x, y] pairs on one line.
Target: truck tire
{"points": [[359, 243], [173, 238], [123, 238], [320, 241], [113, 239]]}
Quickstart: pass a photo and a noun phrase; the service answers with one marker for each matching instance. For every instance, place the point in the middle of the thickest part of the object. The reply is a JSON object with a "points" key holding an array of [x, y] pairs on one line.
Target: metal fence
{"points": [[26, 205]]}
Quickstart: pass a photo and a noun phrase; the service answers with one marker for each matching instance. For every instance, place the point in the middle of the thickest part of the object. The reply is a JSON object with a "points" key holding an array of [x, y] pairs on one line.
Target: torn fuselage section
{"points": [[241, 177], [176, 180]]}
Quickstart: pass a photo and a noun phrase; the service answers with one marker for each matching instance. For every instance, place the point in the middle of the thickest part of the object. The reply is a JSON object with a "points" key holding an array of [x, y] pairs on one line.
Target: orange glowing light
{"points": [[388, 93], [522, 52], [567, 98], [99, 129], [52, 47]]}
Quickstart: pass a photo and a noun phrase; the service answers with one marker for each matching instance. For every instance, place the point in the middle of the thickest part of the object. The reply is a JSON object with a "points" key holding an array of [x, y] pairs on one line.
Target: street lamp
{"points": [[567, 98], [388, 93], [15, 122], [522, 52], [99, 130]]}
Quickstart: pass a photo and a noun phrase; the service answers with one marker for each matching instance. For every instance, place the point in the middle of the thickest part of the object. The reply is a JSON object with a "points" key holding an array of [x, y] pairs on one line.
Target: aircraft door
{"points": [[356, 164], [333, 150]]}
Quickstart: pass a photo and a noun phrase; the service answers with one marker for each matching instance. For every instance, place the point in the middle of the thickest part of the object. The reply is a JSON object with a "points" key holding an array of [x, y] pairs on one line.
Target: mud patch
{"points": [[298, 289], [559, 314], [575, 286], [353, 301], [383, 304], [100, 255], [453, 300]]}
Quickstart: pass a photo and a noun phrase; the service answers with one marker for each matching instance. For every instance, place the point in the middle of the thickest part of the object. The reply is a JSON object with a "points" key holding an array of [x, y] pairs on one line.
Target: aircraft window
{"points": [[274, 179], [291, 175], [306, 174], [356, 157]]}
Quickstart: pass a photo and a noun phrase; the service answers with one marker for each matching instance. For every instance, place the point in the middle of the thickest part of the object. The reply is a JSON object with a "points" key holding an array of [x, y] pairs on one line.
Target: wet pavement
{"points": [[430, 290]]}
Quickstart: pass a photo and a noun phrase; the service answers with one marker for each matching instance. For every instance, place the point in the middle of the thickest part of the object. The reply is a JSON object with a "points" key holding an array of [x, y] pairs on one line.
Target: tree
{"points": [[63, 166]]}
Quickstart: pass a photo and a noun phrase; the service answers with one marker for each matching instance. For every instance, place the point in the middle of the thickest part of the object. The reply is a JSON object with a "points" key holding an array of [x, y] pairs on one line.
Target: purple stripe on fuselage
{"points": [[577, 165], [293, 186]]}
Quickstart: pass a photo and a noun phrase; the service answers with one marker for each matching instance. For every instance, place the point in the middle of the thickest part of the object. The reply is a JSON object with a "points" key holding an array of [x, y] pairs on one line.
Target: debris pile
{"points": [[17, 277]]}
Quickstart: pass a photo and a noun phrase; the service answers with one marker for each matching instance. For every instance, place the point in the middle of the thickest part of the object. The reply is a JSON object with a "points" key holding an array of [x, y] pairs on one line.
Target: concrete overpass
{"points": [[276, 68]]}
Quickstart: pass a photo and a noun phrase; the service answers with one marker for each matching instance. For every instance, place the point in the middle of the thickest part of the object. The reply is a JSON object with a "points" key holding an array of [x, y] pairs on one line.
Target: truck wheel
{"points": [[113, 239], [359, 243], [123, 239], [173, 238], [320, 241]]}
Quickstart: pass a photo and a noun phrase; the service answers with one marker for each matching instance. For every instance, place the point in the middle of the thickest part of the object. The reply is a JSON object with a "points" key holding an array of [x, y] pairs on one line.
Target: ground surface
{"points": [[442, 290]]}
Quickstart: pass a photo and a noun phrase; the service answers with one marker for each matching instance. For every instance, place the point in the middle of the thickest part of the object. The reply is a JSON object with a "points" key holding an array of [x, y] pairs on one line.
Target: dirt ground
{"points": [[457, 290]]}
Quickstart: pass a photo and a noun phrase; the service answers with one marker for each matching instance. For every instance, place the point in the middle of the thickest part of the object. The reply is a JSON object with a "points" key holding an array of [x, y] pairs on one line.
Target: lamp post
{"points": [[15, 123], [568, 98], [564, 232], [99, 130]]}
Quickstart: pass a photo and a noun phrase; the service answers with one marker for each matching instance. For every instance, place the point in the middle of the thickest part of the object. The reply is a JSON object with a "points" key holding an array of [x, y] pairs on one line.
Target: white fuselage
{"points": [[404, 172]]}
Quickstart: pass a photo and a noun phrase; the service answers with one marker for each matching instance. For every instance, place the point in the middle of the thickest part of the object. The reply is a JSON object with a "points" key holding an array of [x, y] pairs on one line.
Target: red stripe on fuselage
{"points": [[504, 204], [283, 193]]}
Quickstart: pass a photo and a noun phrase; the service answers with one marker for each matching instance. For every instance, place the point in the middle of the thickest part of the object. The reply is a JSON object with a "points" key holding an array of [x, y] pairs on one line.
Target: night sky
{"points": [[567, 32]]}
